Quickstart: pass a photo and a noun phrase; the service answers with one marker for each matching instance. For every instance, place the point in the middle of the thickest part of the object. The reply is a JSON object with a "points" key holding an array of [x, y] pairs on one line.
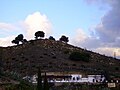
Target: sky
{"points": [[89, 24]]}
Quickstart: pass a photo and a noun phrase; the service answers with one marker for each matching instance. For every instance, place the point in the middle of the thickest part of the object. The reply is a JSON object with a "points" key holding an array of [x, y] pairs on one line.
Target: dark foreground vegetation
{"points": [[43, 84], [64, 86]]}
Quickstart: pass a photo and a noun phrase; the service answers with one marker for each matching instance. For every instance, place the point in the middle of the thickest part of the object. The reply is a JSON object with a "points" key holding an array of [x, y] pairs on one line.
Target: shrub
{"points": [[64, 39], [40, 34], [54, 57], [73, 64], [66, 52], [77, 56], [51, 38], [116, 68]]}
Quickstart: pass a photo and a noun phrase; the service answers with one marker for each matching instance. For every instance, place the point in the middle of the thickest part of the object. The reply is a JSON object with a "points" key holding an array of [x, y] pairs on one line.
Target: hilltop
{"points": [[53, 56]]}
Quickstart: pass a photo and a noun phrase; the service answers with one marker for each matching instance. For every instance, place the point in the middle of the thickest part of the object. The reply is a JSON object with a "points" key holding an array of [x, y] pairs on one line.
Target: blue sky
{"points": [[65, 15], [81, 20]]}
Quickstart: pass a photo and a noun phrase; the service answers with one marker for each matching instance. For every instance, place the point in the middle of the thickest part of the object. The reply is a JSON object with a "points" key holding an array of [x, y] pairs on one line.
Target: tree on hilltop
{"points": [[64, 39], [19, 38], [51, 38], [15, 42], [40, 34]]}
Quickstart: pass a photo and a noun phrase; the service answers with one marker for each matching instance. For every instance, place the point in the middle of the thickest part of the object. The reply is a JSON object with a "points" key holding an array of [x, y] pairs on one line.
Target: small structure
{"points": [[96, 78], [75, 78]]}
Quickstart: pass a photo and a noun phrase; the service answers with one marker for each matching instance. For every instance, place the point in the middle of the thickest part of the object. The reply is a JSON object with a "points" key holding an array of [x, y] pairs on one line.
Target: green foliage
{"points": [[46, 85], [39, 34], [66, 51], [77, 56], [15, 41], [19, 38], [117, 68], [51, 38], [64, 38], [106, 75], [24, 40], [39, 80]]}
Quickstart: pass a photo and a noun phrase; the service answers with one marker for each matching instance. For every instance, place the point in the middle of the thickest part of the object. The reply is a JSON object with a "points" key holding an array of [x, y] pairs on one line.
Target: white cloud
{"points": [[93, 43], [4, 42], [109, 27], [108, 51], [37, 22], [107, 40], [33, 22], [83, 40], [80, 36], [7, 26]]}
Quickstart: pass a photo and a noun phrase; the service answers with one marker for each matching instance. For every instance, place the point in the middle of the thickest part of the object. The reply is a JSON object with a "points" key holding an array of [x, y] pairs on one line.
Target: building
{"points": [[69, 78]]}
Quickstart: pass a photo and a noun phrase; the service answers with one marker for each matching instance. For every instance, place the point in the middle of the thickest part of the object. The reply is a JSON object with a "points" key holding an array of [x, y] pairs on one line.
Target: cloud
{"points": [[92, 1], [105, 37], [99, 1], [109, 28], [7, 26], [95, 44], [80, 36], [108, 51], [32, 23], [7, 32], [4, 42], [37, 22], [83, 40]]}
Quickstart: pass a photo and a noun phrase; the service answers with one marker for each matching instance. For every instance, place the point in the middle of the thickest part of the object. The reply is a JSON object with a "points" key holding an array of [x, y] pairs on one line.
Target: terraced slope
{"points": [[53, 56]]}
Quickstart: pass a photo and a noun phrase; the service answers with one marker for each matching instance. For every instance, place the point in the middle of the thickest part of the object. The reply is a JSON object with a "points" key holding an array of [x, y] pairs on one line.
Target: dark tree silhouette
{"points": [[106, 75], [19, 37], [78, 56], [64, 38], [24, 40], [15, 41], [46, 84], [40, 34], [39, 80], [51, 38]]}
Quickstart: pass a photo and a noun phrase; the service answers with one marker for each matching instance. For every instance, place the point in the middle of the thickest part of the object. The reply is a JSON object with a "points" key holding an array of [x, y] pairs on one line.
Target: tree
{"points": [[46, 84], [24, 40], [39, 80], [15, 41], [64, 38], [80, 56], [51, 38], [106, 75], [39, 34], [19, 38]]}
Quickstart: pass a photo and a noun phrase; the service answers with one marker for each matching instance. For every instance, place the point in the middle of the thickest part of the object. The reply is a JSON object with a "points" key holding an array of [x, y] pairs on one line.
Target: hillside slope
{"points": [[53, 56]]}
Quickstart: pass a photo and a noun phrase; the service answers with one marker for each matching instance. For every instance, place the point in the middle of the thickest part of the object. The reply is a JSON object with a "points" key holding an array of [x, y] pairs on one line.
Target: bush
{"points": [[116, 68], [77, 56], [66, 51]]}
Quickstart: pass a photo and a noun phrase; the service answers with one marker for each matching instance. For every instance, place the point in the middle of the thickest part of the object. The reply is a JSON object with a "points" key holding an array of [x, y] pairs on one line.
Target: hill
{"points": [[53, 56]]}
